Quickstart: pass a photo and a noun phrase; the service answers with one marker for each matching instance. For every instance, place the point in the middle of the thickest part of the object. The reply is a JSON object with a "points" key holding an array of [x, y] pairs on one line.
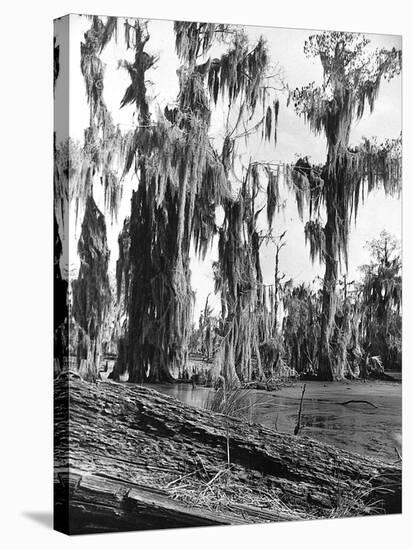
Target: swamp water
{"points": [[357, 427]]}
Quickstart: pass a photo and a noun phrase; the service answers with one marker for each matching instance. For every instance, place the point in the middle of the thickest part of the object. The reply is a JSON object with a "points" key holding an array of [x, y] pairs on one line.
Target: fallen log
{"points": [[127, 458]]}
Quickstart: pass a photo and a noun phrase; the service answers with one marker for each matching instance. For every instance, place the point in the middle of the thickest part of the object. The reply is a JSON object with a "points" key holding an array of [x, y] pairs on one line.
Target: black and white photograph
{"points": [[205, 261], [227, 274]]}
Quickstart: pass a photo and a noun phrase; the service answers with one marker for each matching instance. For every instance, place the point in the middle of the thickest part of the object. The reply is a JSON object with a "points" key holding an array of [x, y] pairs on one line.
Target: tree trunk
{"points": [[327, 370], [227, 361], [331, 361], [118, 446]]}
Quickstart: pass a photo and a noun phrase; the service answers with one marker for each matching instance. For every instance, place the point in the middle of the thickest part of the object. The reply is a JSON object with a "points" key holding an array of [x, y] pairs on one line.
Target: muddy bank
{"points": [[356, 427]]}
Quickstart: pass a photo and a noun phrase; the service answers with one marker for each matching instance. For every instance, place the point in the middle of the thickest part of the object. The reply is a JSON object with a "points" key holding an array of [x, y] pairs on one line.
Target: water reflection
{"points": [[185, 392]]}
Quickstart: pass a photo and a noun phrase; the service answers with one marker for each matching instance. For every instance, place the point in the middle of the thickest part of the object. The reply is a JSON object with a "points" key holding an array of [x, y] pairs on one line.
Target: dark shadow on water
{"points": [[42, 518]]}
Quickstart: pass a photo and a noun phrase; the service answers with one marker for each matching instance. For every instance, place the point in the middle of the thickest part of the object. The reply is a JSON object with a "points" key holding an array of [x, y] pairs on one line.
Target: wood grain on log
{"points": [[119, 441]]}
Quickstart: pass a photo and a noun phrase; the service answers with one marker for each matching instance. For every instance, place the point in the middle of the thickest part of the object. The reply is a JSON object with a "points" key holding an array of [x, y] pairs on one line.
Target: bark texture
{"points": [[119, 441], [330, 368]]}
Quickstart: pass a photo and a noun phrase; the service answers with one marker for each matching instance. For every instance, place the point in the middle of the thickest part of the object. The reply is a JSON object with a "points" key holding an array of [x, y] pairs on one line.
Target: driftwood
{"points": [[128, 444]]}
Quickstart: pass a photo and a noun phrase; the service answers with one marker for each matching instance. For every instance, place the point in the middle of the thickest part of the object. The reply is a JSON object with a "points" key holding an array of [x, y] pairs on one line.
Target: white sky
{"points": [[294, 138]]}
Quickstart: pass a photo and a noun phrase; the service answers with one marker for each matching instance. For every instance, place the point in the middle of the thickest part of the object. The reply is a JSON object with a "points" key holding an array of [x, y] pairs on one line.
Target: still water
{"points": [[357, 427]]}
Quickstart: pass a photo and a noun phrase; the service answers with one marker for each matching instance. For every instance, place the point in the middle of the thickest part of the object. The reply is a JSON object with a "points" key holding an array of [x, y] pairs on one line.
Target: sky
{"points": [[294, 139]]}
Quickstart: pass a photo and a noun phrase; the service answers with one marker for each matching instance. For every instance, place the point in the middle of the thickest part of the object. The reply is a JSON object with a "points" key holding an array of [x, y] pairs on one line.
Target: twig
{"points": [[181, 477], [199, 458], [220, 472], [297, 427]]}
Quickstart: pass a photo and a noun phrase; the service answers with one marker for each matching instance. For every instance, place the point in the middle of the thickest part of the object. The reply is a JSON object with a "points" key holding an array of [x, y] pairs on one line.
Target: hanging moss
{"points": [[182, 180], [136, 92], [123, 263], [56, 61], [238, 279], [78, 167], [301, 328], [195, 39], [105, 146], [315, 236], [380, 299], [91, 66], [273, 194], [240, 72], [171, 164], [60, 284], [351, 78], [91, 289]]}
